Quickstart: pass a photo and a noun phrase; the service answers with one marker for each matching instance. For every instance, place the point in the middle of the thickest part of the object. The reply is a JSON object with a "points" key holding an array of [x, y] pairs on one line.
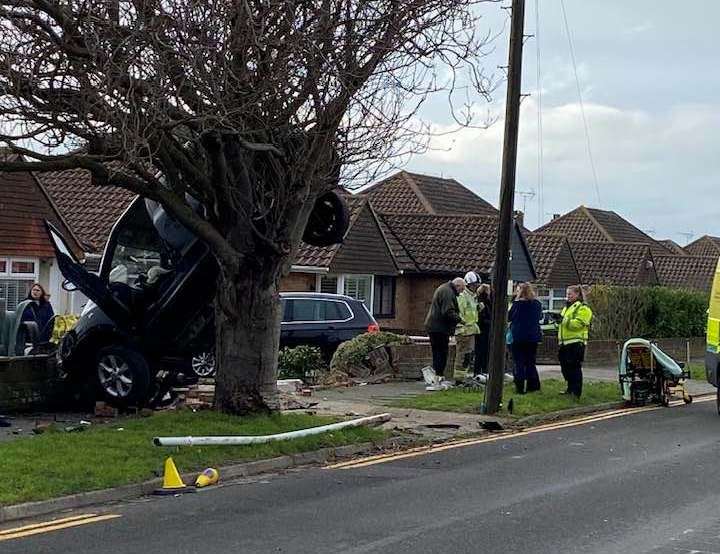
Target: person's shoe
{"points": [[564, 393], [429, 375], [445, 385], [509, 377], [481, 378]]}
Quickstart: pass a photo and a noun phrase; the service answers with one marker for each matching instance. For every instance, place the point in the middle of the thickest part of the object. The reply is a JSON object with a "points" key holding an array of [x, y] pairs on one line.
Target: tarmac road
{"points": [[644, 482]]}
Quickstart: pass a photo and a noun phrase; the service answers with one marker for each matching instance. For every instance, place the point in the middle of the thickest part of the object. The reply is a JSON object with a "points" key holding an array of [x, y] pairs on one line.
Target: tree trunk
{"points": [[247, 319]]}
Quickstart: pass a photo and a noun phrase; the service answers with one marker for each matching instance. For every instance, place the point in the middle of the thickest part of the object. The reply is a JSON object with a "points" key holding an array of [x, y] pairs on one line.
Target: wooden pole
{"points": [[493, 392]]}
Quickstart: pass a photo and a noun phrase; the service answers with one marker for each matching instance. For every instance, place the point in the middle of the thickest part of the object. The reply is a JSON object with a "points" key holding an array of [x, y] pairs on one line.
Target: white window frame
{"points": [[341, 284], [314, 322], [10, 276]]}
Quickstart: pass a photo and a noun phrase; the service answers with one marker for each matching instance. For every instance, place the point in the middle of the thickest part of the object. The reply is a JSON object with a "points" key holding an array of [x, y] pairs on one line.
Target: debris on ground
{"points": [[491, 425], [103, 409]]}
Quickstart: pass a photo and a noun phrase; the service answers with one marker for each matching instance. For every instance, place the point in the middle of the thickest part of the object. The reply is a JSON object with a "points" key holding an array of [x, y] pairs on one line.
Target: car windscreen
{"points": [[136, 246]]}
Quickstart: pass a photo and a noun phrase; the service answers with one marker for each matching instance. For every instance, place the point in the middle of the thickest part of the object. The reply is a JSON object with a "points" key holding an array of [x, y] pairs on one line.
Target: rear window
{"points": [[308, 309]]}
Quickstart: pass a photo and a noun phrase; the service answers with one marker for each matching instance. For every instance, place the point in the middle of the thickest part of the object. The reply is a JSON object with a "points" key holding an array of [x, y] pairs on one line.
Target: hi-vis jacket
{"points": [[575, 323], [468, 305]]}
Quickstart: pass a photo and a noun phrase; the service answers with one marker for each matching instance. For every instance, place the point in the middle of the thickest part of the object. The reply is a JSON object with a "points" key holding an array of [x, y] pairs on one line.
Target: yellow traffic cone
{"points": [[172, 482], [209, 476]]}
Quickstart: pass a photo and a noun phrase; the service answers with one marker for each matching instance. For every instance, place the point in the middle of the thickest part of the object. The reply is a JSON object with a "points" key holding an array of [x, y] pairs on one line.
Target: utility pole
{"points": [[493, 390]]}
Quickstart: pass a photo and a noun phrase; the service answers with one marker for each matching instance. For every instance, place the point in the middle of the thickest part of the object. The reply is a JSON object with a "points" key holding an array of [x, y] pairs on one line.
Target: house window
{"points": [[358, 287], [22, 267], [551, 299], [384, 296], [16, 278], [328, 284]]}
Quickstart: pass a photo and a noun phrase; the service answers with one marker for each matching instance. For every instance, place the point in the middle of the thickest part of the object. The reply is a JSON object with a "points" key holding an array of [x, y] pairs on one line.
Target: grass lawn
{"points": [[546, 400], [57, 463], [697, 371]]}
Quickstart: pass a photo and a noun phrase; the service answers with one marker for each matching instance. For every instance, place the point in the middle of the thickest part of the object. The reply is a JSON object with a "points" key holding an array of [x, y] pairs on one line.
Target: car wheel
{"points": [[123, 376], [203, 364], [328, 221]]}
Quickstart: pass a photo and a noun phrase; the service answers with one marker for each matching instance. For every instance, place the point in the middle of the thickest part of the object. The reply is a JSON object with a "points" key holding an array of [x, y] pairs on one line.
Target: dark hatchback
{"points": [[151, 309]]}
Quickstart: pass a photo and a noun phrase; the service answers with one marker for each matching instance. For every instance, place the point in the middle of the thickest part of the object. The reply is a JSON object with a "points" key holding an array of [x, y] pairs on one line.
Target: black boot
{"points": [[519, 387]]}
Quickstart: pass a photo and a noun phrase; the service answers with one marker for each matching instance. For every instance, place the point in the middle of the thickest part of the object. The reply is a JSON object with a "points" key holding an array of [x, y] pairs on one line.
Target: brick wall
{"points": [[606, 352], [298, 282], [28, 383], [412, 300], [413, 357]]}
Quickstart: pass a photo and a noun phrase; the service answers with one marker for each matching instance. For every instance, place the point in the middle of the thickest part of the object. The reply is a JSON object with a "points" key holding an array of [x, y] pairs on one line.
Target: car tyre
{"points": [[328, 221], [122, 376]]}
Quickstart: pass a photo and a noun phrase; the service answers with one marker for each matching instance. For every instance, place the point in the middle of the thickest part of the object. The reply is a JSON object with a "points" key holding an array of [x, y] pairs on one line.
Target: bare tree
{"points": [[251, 107]]}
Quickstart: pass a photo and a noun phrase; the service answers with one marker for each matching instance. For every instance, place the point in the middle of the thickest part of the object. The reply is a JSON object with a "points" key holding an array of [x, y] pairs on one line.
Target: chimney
{"points": [[555, 216], [519, 217]]}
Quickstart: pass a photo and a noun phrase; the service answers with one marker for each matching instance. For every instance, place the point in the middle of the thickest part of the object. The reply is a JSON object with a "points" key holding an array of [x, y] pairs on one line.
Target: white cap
{"points": [[472, 277]]}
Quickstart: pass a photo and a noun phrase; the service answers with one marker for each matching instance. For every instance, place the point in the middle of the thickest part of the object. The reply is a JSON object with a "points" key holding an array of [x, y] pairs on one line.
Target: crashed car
{"points": [[151, 304]]}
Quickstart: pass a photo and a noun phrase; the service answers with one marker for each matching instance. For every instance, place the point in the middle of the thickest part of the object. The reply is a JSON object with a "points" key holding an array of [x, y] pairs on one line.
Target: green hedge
{"points": [[652, 312]]}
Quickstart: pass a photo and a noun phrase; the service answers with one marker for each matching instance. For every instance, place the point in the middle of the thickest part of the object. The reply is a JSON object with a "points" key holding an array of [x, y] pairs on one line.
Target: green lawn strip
{"points": [[57, 463], [546, 400], [697, 371]]}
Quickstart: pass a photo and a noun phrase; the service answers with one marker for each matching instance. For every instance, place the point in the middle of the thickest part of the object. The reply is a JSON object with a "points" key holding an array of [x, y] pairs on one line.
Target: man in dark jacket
{"points": [[440, 323]]}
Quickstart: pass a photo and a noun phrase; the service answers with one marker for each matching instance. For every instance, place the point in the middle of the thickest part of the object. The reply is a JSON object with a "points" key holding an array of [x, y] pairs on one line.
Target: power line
{"points": [[582, 105], [541, 207]]}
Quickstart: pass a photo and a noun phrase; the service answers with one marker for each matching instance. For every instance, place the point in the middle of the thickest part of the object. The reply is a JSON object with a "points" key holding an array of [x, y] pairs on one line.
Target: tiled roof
{"points": [[89, 210], [24, 207], [443, 244], [673, 246], [322, 256], [546, 249], [608, 263], [592, 225], [413, 193], [704, 246], [688, 272]]}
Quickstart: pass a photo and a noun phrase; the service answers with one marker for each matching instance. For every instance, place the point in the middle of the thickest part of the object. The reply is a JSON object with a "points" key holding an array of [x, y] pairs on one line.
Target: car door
{"points": [[92, 286]]}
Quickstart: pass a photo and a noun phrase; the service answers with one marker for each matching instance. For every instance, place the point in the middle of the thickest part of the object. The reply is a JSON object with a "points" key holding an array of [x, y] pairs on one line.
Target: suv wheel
{"points": [[203, 364], [123, 376]]}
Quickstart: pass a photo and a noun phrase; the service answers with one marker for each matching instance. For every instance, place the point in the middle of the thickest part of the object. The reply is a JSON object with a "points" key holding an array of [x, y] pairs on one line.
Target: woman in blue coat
{"points": [[40, 311], [525, 316]]}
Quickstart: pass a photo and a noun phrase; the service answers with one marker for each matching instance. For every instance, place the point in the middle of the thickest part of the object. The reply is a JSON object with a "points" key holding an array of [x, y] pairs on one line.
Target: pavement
{"points": [[641, 481]]}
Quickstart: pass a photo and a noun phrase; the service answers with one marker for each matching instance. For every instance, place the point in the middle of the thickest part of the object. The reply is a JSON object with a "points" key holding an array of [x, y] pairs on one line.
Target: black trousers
{"points": [[482, 351], [525, 370], [571, 358], [440, 344]]}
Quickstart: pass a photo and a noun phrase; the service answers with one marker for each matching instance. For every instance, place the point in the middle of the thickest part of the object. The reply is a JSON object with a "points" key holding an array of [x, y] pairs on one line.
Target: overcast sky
{"points": [[650, 76]]}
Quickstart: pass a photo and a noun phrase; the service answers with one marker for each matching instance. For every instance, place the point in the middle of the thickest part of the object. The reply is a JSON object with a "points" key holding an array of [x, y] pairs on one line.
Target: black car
{"points": [[152, 301], [323, 320]]}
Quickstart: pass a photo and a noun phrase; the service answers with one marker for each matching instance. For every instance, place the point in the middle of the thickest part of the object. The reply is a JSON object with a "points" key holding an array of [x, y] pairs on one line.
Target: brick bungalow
{"points": [[555, 266], [408, 234], [608, 249], [26, 255]]}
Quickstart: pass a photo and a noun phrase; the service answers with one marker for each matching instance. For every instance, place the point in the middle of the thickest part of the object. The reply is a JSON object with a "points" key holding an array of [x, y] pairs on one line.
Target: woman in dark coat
{"points": [[40, 311], [525, 316]]}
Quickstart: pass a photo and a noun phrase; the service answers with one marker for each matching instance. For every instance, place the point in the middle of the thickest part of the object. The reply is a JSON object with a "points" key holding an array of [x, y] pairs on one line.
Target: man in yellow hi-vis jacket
{"points": [[572, 337]]}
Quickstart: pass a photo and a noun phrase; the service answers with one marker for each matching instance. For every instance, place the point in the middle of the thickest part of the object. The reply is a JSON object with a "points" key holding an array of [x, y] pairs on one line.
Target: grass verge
{"points": [[697, 371], [57, 463], [544, 401]]}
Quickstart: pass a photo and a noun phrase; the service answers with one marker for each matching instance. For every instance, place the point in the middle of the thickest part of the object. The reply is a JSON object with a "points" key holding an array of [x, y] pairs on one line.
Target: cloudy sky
{"points": [[649, 76]]}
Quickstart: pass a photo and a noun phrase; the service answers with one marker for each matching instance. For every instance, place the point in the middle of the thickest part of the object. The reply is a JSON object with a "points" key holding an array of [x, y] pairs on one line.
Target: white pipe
{"points": [[259, 439]]}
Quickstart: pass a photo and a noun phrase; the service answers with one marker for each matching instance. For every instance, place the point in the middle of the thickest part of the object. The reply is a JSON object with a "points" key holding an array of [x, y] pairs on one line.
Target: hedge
{"points": [[651, 312]]}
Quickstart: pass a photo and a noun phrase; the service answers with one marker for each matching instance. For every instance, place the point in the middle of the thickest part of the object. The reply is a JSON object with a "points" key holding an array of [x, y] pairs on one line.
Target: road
{"points": [[639, 483]]}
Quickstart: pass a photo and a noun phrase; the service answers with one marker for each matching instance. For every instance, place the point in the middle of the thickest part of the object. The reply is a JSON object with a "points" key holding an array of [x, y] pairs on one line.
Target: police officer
{"points": [[573, 337]]}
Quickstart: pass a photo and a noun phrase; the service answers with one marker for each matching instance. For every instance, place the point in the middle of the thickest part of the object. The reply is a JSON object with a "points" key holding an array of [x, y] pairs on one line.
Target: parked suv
{"points": [[323, 320], [151, 304]]}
